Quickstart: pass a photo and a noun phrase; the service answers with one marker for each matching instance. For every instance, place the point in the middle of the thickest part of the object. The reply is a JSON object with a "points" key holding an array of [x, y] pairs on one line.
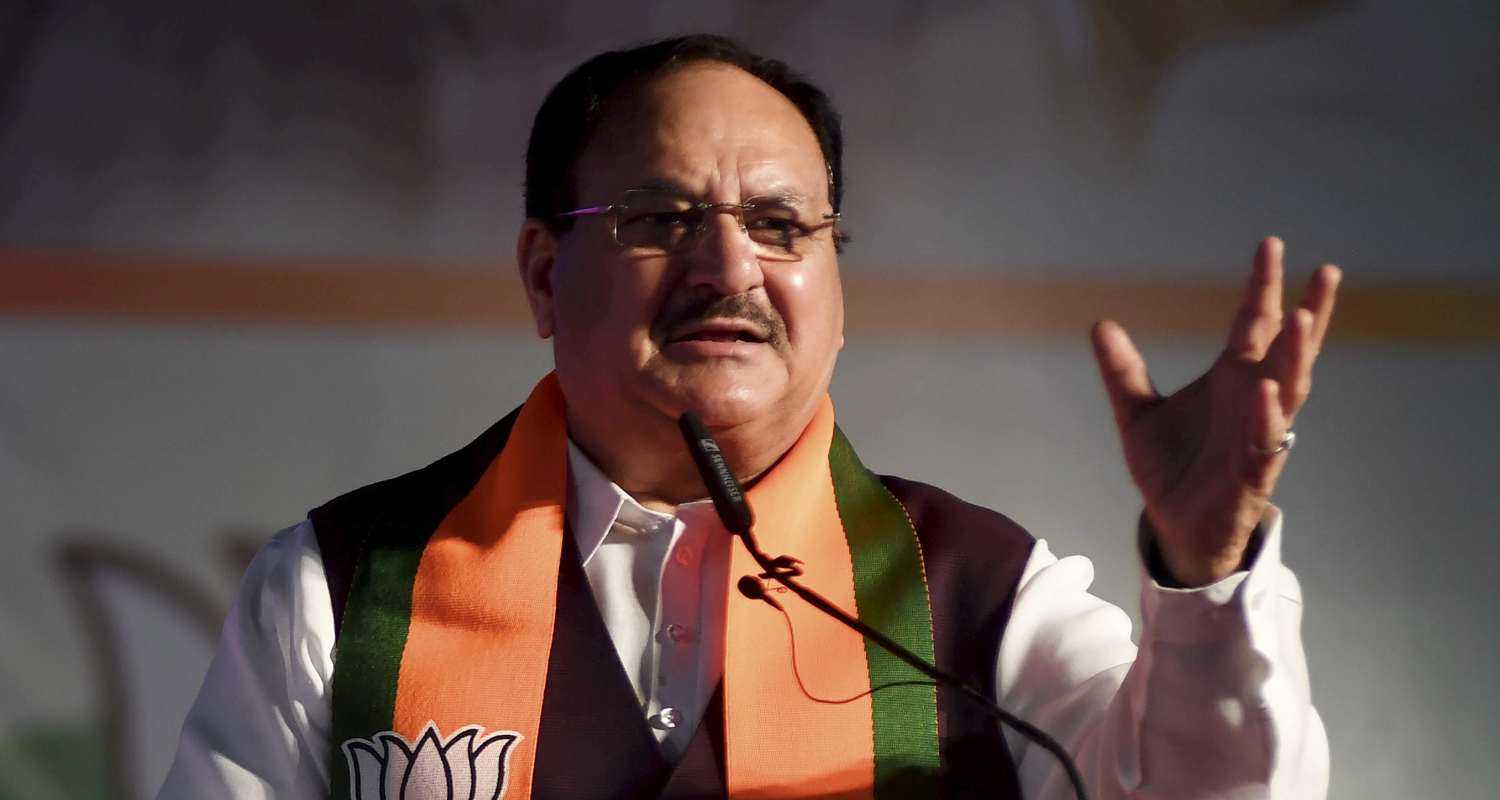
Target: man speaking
{"points": [[550, 612]]}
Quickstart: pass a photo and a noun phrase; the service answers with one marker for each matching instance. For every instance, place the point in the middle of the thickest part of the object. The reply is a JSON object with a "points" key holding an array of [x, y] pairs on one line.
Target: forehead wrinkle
{"points": [[781, 184], [732, 181]]}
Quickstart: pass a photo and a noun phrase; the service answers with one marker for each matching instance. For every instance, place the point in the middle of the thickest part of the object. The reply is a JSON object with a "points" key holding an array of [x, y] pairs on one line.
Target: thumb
{"points": [[1122, 369]]}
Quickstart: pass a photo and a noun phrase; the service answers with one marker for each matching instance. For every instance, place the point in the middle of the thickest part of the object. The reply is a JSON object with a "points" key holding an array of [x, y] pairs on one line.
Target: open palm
{"points": [[1206, 458]]}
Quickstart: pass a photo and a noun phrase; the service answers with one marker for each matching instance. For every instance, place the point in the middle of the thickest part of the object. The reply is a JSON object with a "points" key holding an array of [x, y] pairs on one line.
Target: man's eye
{"points": [[779, 224], [777, 231], [660, 219]]}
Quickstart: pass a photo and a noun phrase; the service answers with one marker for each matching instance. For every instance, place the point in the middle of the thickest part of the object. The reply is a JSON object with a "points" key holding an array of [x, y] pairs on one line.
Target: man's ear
{"points": [[536, 253]]}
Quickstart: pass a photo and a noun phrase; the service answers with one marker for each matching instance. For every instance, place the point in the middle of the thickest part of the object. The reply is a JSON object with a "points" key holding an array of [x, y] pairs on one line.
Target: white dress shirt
{"points": [[1214, 704], [658, 580]]}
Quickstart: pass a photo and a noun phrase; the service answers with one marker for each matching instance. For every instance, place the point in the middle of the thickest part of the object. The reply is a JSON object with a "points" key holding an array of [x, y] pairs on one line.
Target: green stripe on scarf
{"points": [[368, 658], [891, 591], [372, 638]]}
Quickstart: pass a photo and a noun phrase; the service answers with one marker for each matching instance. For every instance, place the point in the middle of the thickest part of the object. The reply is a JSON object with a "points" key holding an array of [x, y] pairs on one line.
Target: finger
{"points": [[1123, 370], [1264, 431], [1320, 298], [1290, 361], [1259, 315]]}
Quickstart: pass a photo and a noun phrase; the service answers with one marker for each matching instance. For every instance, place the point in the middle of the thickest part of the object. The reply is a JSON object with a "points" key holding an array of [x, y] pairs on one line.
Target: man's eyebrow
{"points": [[783, 195], [665, 185], [786, 197]]}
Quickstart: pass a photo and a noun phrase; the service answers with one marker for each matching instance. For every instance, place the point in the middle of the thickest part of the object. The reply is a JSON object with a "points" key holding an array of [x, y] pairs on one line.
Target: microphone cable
{"points": [[755, 590], [735, 514]]}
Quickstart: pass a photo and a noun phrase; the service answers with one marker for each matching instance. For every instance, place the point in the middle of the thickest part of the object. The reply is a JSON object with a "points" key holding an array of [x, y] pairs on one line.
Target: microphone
{"points": [[734, 512], [752, 588], [723, 489]]}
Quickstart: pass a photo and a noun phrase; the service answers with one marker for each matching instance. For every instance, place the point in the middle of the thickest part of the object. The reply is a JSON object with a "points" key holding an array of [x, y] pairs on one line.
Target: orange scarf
{"points": [[483, 601]]}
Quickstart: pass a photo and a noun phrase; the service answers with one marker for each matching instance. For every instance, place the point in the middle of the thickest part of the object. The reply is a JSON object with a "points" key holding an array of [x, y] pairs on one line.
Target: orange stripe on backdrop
{"points": [[110, 288]]}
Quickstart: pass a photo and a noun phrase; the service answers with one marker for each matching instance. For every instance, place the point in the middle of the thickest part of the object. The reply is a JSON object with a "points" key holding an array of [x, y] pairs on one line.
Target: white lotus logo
{"points": [[391, 768]]}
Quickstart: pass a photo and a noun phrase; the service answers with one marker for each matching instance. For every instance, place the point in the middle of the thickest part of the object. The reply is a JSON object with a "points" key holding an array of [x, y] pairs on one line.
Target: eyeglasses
{"points": [[656, 222]]}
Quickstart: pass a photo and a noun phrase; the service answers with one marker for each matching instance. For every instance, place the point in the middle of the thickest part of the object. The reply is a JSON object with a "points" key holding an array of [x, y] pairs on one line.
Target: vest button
{"points": [[679, 634]]}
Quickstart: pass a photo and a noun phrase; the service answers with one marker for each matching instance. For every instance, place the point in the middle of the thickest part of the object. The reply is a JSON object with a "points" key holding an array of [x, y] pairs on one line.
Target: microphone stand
{"points": [[734, 512]]}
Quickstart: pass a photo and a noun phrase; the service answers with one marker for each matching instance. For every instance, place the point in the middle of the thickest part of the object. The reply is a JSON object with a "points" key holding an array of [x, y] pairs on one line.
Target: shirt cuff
{"points": [[1206, 613]]}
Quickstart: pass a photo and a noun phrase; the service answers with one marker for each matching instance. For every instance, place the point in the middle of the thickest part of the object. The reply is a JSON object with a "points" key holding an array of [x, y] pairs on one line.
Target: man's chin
{"points": [[726, 398]]}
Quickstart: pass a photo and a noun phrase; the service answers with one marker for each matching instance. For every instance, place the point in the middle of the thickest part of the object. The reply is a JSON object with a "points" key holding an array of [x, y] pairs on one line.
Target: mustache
{"points": [[700, 308]]}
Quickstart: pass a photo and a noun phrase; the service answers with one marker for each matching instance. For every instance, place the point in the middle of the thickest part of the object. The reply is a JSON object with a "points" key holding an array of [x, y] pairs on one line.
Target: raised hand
{"points": [[1206, 459]]}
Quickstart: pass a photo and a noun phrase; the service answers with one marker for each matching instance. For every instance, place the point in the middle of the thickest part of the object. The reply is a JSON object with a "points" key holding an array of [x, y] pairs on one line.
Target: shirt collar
{"points": [[596, 505]]}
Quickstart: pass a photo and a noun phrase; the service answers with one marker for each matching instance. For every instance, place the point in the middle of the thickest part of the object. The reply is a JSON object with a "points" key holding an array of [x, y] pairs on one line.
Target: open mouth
{"points": [[720, 331], [718, 336]]}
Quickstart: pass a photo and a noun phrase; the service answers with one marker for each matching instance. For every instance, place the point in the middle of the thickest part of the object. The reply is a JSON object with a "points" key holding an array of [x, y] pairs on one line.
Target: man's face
{"points": [[716, 328]]}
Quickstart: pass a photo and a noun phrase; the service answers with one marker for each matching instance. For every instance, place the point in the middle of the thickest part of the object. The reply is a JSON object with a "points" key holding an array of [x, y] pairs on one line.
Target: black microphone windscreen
{"points": [[723, 488], [751, 588]]}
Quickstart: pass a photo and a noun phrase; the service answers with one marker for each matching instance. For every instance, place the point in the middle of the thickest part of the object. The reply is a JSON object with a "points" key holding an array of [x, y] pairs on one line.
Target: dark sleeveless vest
{"points": [[594, 740]]}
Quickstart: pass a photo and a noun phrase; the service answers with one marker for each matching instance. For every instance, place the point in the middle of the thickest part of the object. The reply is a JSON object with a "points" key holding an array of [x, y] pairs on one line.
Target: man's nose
{"points": [[723, 257]]}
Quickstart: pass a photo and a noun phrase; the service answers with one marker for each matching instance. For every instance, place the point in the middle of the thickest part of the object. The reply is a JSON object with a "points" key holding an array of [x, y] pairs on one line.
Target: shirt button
{"points": [[679, 634], [668, 718], [685, 555]]}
